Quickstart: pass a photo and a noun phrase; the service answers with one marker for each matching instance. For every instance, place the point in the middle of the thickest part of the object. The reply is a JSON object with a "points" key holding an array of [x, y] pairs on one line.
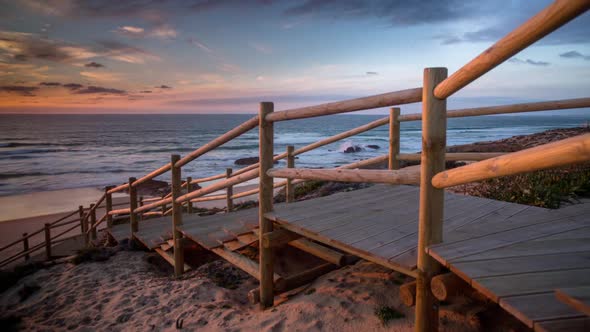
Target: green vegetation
{"points": [[547, 189], [386, 314]]}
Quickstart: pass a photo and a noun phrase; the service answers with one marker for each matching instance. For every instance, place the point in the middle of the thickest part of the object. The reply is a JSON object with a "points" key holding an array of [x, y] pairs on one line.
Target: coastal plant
{"points": [[547, 188], [385, 314]]}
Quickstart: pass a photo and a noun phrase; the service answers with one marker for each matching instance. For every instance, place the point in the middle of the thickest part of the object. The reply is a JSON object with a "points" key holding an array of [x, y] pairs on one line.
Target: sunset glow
{"points": [[147, 56]]}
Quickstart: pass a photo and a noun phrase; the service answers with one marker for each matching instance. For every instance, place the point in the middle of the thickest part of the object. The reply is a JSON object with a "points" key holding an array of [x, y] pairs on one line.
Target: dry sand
{"points": [[128, 293]]}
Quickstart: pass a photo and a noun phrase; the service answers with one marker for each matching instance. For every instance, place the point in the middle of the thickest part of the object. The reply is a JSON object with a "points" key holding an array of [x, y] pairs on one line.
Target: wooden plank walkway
{"points": [[516, 255], [519, 262]]}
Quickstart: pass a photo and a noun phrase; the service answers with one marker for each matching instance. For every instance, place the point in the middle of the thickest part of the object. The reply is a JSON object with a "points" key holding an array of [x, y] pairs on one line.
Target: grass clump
{"points": [[547, 188], [91, 254], [385, 314]]}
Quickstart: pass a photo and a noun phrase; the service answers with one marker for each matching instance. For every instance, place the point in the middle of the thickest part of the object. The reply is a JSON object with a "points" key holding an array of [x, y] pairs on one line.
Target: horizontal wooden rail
{"points": [[210, 178], [228, 136], [63, 223], [219, 185], [551, 105], [14, 257], [96, 224], [119, 211], [152, 199], [64, 217], [383, 100], [150, 206], [152, 175], [208, 198], [408, 175], [64, 232], [466, 156], [365, 163], [549, 19], [118, 188], [568, 151], [94, 207]]}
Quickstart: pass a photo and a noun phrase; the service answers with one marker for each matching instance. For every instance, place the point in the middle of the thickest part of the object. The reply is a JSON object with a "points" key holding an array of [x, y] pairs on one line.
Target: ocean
{"points": [[51, 152]]}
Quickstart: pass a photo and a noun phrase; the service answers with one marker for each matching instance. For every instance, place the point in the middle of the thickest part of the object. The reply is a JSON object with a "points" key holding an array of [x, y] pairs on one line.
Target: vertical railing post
{"points": [[108, 206], [86, 227], [189, 188], [26, 245], [132, 207], [163, 206], [81, 215], [290, 189], [177, 216], [394, 138], [229, 191], [92, 222], [430, 225], [48, 241], [266, 190]]}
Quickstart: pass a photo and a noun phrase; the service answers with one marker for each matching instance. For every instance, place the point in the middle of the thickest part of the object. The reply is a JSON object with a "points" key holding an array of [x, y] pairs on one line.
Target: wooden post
{"points": [[108, 206], [229, 191], [430, 216], [394, 139], [177, 217], [189, 188], [265, 186], [48, 241], [81, 214], [92, 222], [290, 189], [132, 206], [164, 207], [26, 245], [86, 228]]}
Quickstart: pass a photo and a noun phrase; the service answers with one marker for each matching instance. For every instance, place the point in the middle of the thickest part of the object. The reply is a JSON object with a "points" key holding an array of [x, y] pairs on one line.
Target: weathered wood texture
{"points": [[577, 298], [564, 152], [549, 19], [520, 259], [407, 175]]}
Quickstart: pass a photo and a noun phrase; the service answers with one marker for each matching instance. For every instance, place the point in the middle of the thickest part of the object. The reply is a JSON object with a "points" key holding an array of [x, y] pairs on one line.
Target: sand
{"points": [[128, 293]]}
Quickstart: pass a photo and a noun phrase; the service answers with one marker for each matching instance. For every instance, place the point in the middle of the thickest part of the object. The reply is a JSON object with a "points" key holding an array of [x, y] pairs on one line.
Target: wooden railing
{"points": [[430, 174]]}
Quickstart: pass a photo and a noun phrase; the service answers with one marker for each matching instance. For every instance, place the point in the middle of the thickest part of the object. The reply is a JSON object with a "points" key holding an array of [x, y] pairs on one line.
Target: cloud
{"points": [[146, 91], [100, 90], [72, 86], [163, 87], [256, 99], [25, 46], [126, 53], [528, 62], [164, 31], [199, 44], [372, 73], [50, 84], [482, 35], [574, 55], [130, 31], [103, 77], [94, 65], [19, 89]]}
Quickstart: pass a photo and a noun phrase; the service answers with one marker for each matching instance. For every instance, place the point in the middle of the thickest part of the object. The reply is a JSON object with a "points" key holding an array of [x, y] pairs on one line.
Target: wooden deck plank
{"points": [[532, 309], [564, 325], [529, 283], [523, 264], [577, 298]]}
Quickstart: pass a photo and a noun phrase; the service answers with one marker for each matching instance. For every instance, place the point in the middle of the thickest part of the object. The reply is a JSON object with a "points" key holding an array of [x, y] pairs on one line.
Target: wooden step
{"points": [[166, 246], [170, 258]]}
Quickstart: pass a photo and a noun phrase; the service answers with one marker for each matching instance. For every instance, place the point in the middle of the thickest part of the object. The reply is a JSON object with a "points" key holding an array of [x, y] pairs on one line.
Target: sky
{"points": [[225, 56]]}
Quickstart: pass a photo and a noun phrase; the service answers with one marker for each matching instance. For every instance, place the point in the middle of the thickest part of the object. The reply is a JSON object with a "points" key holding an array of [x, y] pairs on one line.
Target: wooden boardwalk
{"points": [[516, 255], [519, 261]]}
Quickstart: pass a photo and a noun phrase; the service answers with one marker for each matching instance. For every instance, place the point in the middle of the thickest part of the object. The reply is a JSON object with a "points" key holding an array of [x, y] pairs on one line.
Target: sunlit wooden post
{"points": [[132, 206], [189, 188], [430, 225], [92, 222], [290, 189], [48, 241], [394, 138], [177, 216], [229, 191], [108, 206], [81, 215], [265, 203], [26, 245]]}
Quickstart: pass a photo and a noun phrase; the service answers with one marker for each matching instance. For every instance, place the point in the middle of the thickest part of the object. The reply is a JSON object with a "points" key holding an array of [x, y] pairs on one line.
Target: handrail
{"points": [[540, 25], [564, 152], [219, 185], [228, 136], [386, 99], [152, 175], [210, 178], [64, 232], [65, 223], [64, 217], [102, 219], [550, 105], [466, 156], [407, 175]]}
